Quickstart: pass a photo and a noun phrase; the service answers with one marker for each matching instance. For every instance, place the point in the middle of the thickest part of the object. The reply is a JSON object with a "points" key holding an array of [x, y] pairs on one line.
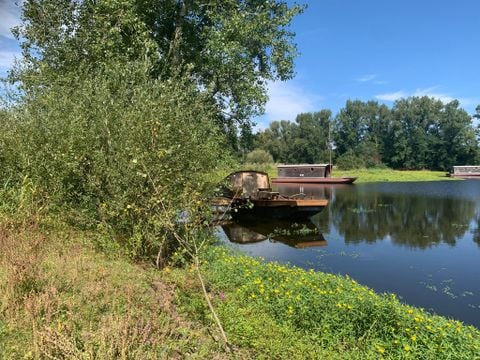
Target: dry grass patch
{"points": [[62, 299]]}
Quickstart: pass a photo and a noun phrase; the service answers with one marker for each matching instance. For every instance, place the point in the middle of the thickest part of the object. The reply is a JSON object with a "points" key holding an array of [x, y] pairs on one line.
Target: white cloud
{"points": [[467, 103], [365, 78], [391, 96], [9, 17], [287, 100], [430, 92]]}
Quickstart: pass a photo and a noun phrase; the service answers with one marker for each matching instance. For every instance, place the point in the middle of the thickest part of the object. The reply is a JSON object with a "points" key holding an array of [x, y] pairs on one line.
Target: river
{"points": [[419, 240]]}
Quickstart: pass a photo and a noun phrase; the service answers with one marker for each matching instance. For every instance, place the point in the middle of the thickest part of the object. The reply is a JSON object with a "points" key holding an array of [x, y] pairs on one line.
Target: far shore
{"points": [[368, 175]]}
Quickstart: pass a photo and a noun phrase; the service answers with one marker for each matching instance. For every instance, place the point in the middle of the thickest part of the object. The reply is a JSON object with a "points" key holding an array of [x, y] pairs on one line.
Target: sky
{"points": [[9, 17], [368, 50], [381, 50]]}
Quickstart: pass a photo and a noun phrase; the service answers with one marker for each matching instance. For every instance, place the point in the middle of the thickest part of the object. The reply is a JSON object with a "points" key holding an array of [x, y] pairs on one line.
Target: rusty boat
{"points": [[309, 174], [249, 194]]}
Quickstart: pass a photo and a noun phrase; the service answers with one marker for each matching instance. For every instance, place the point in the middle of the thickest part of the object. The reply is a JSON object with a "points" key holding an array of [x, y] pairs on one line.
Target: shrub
{"points": [[115, 149], [349, 161], [259, 156]]}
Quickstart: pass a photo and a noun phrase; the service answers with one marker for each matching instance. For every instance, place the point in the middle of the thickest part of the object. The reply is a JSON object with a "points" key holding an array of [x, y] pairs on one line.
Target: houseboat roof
{"points": [[302, 165]]}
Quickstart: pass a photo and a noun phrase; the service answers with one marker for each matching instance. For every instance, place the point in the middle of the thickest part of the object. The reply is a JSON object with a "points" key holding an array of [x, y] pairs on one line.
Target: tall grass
{"points": [[60, 299]]}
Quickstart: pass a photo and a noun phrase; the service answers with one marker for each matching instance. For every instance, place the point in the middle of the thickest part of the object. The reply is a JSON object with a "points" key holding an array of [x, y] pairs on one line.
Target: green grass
{"points": [[287, 312], [380, 175], [62, 298]]}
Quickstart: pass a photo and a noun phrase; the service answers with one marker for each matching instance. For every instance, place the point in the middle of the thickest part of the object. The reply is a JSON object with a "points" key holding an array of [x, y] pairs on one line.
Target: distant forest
{"points": [[416, 133]]}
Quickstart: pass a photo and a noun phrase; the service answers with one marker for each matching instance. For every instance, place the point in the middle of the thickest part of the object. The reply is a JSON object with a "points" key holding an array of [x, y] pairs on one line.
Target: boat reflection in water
{"points": [[295, 234], [313, 191]]}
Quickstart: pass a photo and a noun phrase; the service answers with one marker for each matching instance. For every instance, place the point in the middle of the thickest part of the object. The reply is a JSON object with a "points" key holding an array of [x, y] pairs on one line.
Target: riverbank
{"points": [[63, 297], [390, 175], [369, 175]]}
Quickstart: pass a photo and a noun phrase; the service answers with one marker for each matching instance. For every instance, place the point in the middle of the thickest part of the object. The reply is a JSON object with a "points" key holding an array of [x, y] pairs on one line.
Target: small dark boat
{"points": [[309, 174], [249, 195]]}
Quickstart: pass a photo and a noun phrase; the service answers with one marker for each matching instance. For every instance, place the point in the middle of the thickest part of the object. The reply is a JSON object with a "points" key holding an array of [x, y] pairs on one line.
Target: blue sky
{"points": [[369, 49], [381, 50], [9, 17]]}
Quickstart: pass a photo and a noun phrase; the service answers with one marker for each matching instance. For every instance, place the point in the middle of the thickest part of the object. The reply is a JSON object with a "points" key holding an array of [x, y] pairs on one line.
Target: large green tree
{"points": [[229, 48], [276, 139], [311, 138], [426, 133], [361, 129], [302, 141]]}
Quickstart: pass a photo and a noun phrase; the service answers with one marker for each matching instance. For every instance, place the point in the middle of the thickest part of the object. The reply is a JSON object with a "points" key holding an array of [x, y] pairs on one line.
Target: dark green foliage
{"points": [[361, 129], [229, 47], [305, 141], [116, 150], [276, 139], [425, 133], [349, 160], [259, 156], [417, 133]]}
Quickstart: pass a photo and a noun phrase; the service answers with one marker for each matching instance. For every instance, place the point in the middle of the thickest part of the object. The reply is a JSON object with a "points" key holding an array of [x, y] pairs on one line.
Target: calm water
{"points": [[418, 240]]}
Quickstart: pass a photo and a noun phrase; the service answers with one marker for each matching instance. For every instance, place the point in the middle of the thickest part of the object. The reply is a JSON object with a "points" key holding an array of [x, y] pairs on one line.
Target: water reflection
{"points": [[415, 220], [476, 232], [407, 220], [297, 234], [419, 240]]}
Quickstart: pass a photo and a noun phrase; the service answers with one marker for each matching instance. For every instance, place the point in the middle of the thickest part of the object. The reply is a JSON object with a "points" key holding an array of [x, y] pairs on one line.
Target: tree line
{"points": [[415, 133]]}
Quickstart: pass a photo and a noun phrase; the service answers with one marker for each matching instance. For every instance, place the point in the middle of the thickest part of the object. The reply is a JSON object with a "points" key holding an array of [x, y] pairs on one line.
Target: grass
{"points": [[381, 175], [63, 298], [287, 312], [60, 298]]}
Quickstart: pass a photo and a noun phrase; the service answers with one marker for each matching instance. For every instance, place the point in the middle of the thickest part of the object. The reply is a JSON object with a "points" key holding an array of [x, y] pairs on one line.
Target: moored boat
{"points": [[314, 180], [309, 174], [250, 195], [466, 172]]}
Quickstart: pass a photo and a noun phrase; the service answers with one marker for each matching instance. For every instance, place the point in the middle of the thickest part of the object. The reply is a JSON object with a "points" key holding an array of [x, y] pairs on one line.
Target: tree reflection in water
{"points": [[415, 219]]}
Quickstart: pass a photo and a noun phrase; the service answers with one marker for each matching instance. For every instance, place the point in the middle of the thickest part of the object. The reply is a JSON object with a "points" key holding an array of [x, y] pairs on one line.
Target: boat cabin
{"points": [[249, 185], [304, 170], [466, 170]]}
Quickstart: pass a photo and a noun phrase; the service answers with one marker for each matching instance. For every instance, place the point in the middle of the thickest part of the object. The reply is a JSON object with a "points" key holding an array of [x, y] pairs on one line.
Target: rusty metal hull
{"points": [[466, 176], [314, 180]]}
